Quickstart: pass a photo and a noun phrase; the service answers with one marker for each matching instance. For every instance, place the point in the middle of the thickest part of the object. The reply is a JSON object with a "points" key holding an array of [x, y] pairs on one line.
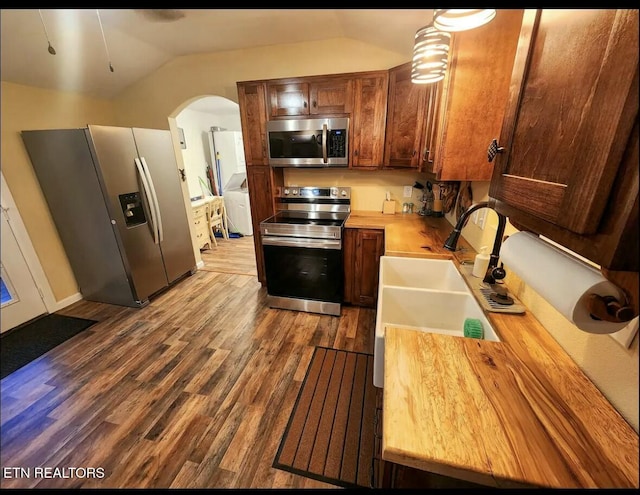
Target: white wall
{"points": [[196, 125]]}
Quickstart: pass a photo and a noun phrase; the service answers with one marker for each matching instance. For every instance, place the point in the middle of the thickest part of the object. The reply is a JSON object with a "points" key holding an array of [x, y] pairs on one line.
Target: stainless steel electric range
{"points": [[302, 246]]}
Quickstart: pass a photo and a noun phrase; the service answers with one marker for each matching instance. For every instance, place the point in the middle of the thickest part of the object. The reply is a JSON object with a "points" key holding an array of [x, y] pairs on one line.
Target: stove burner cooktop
{"points": [[320, 215]]}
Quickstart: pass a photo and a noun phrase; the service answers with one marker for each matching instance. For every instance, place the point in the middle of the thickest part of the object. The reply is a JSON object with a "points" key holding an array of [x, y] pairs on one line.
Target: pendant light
{"points": [[51, 49], [106, 49], [430, 55], [453, 20]]}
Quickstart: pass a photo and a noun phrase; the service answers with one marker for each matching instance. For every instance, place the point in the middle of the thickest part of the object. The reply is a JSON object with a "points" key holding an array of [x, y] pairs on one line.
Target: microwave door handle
{"points": [[324, 143]]}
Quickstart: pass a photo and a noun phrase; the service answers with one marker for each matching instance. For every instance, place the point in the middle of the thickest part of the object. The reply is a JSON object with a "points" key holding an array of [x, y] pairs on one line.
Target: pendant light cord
{"points": [[106, 48], [51, 49]]}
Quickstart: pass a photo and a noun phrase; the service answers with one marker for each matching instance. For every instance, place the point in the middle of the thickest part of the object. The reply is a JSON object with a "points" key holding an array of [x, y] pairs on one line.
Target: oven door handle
{"points": [[304, 243]]}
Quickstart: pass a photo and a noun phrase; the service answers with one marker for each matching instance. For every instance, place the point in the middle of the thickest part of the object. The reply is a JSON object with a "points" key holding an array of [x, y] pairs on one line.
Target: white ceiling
{"points": [[139, 43]]}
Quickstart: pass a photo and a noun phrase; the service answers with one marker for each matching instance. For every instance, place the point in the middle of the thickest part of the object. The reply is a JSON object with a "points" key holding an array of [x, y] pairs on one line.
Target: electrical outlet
{"points": [[482, 218], [408, 191]]}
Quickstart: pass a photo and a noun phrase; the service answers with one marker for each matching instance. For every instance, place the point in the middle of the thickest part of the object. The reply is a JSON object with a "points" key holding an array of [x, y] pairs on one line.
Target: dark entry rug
{"points": [[23, 344], [330, 434]]}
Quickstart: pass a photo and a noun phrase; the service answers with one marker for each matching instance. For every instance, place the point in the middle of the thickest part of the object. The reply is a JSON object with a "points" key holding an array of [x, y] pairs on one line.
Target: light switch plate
{"points": [[408, 191], [625, 336]]}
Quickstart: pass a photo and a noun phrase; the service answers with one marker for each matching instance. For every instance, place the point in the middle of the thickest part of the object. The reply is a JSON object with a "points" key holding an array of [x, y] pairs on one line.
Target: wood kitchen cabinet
{"points": [[569, 167], [475, 91], [262, 181], [368, 120], [310, 96], [409, 123], [362, 249], [253, 118]]}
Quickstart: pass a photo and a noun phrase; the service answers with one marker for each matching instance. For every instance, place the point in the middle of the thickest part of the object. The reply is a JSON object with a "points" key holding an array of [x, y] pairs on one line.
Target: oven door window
{"points": [[304, 272]]}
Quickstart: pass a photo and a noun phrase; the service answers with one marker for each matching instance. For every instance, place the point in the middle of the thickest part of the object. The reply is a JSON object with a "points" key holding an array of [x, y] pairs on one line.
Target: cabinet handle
{"points": [[414, 153], [493, 150], [425, 155], [315, 104], [305, 104], [355, 153]]}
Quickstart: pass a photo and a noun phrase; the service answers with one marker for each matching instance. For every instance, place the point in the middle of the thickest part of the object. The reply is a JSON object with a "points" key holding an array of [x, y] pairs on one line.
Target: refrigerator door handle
{"points": [[145, 187], [154, 196]]}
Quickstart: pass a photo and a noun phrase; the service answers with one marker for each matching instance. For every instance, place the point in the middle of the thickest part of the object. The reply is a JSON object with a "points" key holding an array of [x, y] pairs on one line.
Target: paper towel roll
{"points": [[560, 278]]}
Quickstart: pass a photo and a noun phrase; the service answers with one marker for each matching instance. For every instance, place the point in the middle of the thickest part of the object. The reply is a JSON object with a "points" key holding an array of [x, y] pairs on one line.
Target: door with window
{"points": [[21, 299]]}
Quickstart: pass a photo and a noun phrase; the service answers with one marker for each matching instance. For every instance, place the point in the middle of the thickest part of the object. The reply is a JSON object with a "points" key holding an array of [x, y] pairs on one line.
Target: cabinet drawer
{"points": [[200, 211]]}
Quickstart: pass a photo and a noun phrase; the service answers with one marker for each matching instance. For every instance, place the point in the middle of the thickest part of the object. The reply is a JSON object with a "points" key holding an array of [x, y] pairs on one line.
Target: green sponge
{"points": [[473, 328]]}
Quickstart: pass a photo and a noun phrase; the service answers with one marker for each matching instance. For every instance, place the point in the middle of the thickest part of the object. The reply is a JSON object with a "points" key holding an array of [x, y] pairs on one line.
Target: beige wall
{"points": [[613, 369], [368, 188], [28, 108], [149, 102]]}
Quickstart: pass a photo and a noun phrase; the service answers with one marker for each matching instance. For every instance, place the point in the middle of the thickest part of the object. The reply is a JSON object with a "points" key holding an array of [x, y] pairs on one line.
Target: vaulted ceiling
{"points": [[140, 41]]}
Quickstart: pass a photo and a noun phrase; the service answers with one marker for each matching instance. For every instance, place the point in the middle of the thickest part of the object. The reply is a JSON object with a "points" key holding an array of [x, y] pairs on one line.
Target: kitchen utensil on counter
{"points": [[428, 198], [407, 208], [437, 202]]}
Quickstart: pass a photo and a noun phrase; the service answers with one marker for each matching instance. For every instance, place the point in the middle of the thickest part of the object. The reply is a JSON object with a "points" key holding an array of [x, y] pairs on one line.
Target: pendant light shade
{"points": [[430, 55], [453, 20]]}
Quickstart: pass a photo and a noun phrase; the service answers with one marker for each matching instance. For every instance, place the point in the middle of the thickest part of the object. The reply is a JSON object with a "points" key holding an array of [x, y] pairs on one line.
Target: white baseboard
{"points": [[67, 301]]}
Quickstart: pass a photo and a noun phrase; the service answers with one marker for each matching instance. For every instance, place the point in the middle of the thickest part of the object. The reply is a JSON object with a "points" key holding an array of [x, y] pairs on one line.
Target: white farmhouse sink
{"points": [[420, 273], [425, 295]]}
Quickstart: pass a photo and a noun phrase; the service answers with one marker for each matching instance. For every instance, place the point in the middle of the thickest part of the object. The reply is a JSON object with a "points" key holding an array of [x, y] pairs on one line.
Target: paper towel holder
{"points": [[608, 308]]}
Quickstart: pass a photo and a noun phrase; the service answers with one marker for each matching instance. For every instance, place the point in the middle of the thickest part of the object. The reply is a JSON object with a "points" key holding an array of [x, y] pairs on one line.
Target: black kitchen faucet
{"points": [[493, 272]]}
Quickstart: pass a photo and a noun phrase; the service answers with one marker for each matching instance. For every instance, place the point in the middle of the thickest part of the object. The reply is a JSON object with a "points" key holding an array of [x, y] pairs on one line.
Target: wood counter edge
{"points": [[609, 443], [522, 335]]}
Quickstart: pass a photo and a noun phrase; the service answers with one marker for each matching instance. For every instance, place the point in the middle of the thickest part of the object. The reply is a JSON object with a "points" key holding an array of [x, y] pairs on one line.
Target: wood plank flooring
{"points": [[233, 255], [192, 391]]}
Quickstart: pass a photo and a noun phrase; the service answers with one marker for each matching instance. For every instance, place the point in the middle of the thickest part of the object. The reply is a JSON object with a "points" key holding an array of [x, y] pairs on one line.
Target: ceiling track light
{"points": [[430, 55], [51, 49], [454, 20], [106, 48]]}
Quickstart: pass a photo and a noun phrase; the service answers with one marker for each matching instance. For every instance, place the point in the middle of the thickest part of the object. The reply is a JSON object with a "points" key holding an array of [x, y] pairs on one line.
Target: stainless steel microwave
{"points": [[308, 142]]}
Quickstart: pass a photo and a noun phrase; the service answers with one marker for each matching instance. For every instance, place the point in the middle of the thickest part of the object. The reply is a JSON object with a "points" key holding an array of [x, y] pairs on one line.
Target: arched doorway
{"points": [[208, 129]]}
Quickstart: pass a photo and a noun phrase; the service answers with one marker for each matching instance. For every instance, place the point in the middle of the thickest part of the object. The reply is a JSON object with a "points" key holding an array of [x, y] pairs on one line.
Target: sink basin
{"points": [[421, 273], [425, 295]]}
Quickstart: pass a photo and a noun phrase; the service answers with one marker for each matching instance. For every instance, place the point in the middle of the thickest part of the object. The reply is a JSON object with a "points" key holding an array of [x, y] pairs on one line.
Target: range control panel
{"points": [[335, 192]]}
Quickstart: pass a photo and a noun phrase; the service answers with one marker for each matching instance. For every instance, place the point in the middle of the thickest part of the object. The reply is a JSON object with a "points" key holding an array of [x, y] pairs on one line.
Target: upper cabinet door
{"points": [[572, 104], [474, 98], [288, 99], [253, 118], [315, 97], [368, 119], [406, 113], [330, 96]]}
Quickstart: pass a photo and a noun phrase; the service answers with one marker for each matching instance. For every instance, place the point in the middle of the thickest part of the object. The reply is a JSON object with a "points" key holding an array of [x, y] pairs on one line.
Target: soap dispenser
{"points": [[481, 263]]}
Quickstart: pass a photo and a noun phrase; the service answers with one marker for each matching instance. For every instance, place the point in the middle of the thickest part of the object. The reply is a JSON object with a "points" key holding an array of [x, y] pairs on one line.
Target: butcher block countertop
{"points": [[518, 412], [412, 235]]}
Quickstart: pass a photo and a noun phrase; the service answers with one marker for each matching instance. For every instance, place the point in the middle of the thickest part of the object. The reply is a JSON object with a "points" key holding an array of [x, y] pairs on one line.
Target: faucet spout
{"points": [[452, 240]]}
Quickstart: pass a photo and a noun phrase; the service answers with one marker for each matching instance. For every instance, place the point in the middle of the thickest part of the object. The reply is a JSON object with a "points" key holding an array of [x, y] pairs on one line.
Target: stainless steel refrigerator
{"points": [[116, 200]]}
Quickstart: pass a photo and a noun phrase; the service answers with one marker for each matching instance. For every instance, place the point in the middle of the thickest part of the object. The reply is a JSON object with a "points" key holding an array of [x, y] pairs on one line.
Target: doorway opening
{"points": [[211, 145]]}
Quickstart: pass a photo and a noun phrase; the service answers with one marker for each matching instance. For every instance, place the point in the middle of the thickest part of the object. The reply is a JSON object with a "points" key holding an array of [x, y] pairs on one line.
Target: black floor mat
{"points": [[20, 346]]}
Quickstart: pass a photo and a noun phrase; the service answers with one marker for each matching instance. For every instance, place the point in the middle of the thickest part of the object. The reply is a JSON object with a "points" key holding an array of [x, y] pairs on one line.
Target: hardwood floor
{"points": [[233, 255], [193, 391]]}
